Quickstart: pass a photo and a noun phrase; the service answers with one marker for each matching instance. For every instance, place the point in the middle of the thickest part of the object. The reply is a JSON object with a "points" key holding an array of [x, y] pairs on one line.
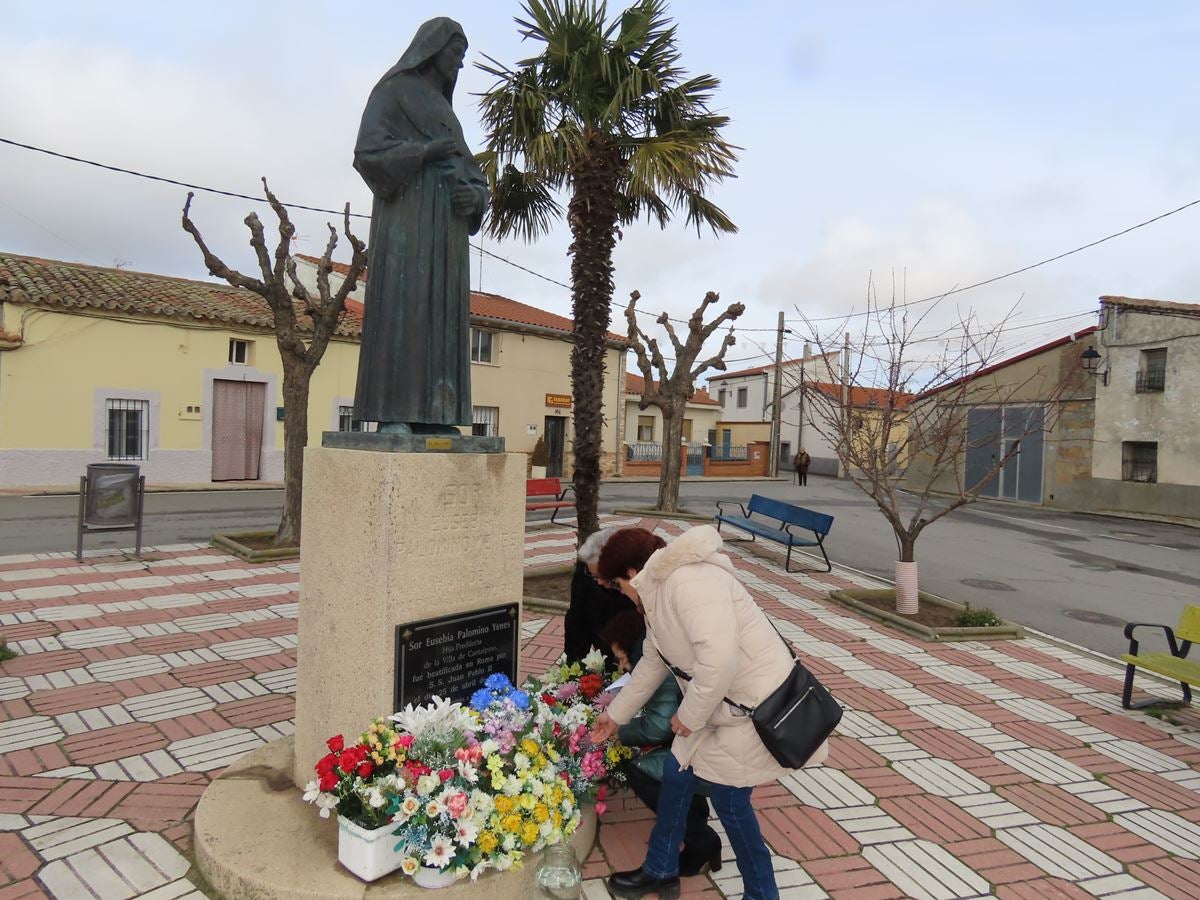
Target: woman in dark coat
{"points": [[651, 730], [429, 197], [593, 603]]}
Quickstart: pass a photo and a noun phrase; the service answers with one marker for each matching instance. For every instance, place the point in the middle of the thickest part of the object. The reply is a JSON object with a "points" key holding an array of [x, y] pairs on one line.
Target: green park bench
{"points": [[1175, 665]]}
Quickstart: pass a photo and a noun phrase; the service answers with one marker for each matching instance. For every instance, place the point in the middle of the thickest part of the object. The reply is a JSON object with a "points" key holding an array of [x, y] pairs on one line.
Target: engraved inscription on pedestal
{"points": [[450, 656]]}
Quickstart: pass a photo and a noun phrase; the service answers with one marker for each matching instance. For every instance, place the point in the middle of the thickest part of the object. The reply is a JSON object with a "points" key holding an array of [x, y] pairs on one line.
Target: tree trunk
{"points": [[672, 447], [907, 547], [296, 378], [592, 216]]}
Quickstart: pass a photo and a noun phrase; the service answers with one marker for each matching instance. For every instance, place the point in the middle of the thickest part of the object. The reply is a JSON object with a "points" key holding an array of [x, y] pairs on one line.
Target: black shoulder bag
{"points": [[795, 719]]}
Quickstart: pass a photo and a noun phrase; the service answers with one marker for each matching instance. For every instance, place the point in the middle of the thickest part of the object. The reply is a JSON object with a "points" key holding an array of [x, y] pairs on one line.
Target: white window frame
{"points": [[239, 347], [477, 343], [141, 431], [645, 422]]}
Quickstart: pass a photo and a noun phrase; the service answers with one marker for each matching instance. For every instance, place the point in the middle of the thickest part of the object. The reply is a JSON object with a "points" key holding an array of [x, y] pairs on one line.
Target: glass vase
{"points": [[559, 876]]}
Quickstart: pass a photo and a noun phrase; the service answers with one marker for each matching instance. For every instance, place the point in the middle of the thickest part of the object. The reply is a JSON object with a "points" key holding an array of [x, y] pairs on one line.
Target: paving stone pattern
{"points": [[963, 770]]}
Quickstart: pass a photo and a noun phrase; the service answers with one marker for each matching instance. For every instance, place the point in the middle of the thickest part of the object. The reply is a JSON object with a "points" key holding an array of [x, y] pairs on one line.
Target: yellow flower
{"points": [[512, 823], [557, 819], [553, 754], [529, 745], [541, 813], [487, 842], [557, 795], [528, 802], [529, 833], [505, 805]]}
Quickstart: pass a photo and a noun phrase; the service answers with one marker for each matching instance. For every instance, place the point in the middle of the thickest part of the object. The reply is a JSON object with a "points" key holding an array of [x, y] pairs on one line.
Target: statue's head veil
{"points": [[428, 42]]}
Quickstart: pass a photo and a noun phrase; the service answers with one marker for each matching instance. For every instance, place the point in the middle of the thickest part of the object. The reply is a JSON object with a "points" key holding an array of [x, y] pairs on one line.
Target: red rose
{"points": [[446, 775], [335, 743], [548, 698], [365, 769], [590, 685], [349, 759], [328, 781], [325, 764]]}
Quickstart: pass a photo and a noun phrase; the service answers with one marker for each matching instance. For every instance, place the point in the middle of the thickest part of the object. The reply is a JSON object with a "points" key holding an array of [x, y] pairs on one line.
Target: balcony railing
{"points": [[1151, 382], [724, 453]]}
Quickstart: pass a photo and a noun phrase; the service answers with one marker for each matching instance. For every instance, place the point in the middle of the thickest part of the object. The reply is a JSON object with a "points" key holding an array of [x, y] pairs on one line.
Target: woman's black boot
{"points": [[637, 884]]}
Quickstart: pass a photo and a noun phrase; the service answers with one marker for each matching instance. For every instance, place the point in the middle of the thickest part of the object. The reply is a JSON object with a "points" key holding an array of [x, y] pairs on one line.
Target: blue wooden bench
{"points": [[775, 523], [1174, 665]]}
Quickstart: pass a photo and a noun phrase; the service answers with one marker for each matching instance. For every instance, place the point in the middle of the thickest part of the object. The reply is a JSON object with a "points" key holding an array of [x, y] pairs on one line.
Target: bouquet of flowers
{"points": [[478, 787]]}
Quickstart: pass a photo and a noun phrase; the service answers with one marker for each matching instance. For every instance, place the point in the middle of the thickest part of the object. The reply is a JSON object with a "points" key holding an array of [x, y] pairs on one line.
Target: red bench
{"points": [[547, 493]]}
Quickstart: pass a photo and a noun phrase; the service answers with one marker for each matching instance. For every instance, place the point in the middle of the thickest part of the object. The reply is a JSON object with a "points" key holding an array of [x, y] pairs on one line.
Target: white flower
{"points": [[311, 792], [489, 746], [440, 852], [466, 833], [326, 803], [512, 785], [594, 661], [537, 787], [482, 803], [410, 865], [433, 809], [520, 762], [468, 771], [509, 843], [439, 715], [376, 799], [427, 784], [547, 830], [480, 868], [504, 862]]}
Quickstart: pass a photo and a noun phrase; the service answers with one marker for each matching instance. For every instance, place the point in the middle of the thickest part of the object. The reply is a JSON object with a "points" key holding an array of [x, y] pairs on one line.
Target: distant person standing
{"points": [[801, 463]]}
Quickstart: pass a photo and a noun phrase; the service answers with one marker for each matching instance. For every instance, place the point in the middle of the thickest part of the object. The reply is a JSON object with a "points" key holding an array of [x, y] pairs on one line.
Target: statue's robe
{"points": [[415, 361]]}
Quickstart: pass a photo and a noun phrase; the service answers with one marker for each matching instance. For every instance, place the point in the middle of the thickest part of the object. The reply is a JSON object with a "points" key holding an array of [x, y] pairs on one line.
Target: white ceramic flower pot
{"points": [[429, 877], [906, 588], [368, 854]]}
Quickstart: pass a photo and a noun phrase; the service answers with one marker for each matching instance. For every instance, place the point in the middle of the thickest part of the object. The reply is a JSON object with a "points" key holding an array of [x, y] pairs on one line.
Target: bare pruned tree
{"points": [[671, 391], [898, 421], [303, 324]]}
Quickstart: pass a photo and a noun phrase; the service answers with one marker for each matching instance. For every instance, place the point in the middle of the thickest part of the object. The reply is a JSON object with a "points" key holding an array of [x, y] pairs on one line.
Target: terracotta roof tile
{"points": [[1158, 306], [636, 384], [867, 398], [65, 285]]}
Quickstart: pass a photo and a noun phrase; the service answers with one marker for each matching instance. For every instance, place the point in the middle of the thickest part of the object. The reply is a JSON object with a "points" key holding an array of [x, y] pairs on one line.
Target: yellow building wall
{"points": [[704, 418], [53, 388], [743, 432]]}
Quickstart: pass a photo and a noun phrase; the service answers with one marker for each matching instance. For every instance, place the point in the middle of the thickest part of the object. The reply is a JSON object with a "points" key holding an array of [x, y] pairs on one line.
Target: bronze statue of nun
{"points": [[414, 371]]}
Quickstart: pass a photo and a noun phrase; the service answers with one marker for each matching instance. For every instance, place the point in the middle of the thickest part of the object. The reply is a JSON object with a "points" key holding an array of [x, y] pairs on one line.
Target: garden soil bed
{"points": [[936, 619]]}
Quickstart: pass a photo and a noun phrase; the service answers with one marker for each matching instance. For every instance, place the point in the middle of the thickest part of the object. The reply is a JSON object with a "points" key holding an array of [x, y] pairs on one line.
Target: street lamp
{"points": [[1091, 359]]}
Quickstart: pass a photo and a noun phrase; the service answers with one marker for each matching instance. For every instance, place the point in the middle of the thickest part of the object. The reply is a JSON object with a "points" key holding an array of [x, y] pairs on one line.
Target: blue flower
{"points": [[520, 699], [498, 682], [481, 699]]}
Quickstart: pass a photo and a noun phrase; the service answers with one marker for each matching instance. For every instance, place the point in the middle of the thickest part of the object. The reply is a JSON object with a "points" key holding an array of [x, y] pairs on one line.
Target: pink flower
{"points": [[601, 807], [592, 765], [568, 690], [457, 804], [602, 792], [602, 701], [405, 740], [576, 739]]}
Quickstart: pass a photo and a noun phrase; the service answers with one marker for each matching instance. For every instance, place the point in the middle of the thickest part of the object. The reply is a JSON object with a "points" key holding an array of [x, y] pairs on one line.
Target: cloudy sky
{"points": [[931, 144]]}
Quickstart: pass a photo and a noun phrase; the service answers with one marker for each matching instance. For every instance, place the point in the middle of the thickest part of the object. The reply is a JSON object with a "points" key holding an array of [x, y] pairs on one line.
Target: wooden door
{"points": [[237, 429]]}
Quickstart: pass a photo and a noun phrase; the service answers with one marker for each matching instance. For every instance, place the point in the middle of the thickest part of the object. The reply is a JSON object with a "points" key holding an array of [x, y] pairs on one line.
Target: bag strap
{"points": [[679, 673]]}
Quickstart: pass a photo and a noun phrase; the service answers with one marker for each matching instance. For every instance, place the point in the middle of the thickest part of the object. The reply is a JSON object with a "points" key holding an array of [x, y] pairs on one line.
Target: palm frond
{"points": [[522, 204]]}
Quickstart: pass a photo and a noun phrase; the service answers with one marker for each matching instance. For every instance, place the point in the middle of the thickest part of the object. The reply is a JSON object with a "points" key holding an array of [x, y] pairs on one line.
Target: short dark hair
{"points": [[629, 548], [626, 630]]}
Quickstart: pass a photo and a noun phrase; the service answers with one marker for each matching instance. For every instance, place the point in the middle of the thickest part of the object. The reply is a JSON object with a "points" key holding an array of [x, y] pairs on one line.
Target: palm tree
{"points": [[603, 112]]}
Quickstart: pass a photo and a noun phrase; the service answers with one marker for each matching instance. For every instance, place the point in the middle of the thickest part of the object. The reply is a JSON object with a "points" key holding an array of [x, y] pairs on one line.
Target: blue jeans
{"points": [[732, 805]]}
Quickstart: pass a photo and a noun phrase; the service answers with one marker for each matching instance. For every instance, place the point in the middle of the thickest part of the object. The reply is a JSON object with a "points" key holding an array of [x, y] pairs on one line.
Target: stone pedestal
{"points": [[391, 538]]}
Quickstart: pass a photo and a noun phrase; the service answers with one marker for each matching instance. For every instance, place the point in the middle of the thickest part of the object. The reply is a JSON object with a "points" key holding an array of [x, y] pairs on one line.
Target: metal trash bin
{"points": [[111, 496]]}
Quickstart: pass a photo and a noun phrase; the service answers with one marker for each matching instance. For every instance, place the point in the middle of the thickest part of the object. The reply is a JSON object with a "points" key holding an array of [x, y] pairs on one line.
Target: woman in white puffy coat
{"points": [[701, 619]]}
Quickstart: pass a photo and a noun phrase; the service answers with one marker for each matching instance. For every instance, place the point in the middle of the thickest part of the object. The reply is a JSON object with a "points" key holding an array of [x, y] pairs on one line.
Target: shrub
{"points": [[540, 456], [978, 618]]}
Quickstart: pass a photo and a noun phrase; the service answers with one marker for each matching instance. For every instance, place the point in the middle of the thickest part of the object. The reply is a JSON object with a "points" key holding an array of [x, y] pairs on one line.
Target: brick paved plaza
{"points": [[966, 770]]}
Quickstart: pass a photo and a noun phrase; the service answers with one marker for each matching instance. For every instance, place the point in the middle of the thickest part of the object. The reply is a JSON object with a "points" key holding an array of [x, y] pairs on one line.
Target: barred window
{"points": [[485, 421], [128, 429], [1139, 461]]}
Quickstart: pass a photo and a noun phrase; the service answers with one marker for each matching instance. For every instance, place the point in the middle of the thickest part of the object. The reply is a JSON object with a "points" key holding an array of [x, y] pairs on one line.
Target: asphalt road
{"points": [[1077, 577]]}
